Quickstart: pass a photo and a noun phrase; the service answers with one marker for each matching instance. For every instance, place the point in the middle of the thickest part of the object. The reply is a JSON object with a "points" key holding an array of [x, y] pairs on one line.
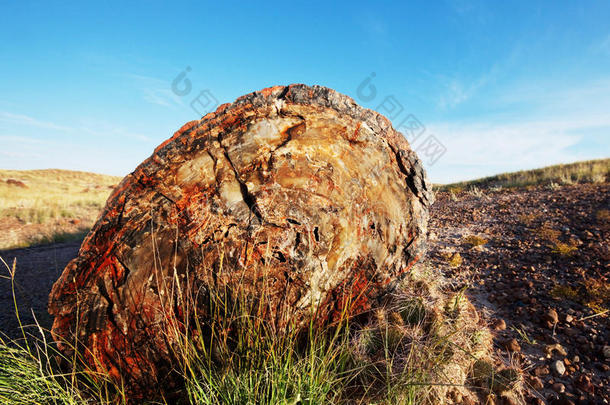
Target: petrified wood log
{"points": [[293, 191]]}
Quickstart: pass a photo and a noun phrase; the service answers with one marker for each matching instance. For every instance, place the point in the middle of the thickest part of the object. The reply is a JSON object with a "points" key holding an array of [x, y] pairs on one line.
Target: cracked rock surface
{"points": [[293, 193]]}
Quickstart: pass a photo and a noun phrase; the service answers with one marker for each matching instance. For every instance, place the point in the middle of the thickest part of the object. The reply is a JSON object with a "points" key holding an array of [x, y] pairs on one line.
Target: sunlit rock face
{"points": [[294, 194]]}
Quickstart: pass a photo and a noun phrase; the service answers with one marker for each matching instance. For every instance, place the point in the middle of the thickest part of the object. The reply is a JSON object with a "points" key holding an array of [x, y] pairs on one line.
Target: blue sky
{"points": [[502, 86]]}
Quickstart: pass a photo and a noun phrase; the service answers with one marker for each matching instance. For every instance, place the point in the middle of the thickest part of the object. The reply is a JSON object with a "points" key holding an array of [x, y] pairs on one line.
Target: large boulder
{"points": [[295, 194]]}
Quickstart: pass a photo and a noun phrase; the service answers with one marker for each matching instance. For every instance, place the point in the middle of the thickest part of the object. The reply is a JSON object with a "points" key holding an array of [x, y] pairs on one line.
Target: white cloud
{"points": [[557, 124], [21, 119], [156, 91], [482, 149], [458, 90]]}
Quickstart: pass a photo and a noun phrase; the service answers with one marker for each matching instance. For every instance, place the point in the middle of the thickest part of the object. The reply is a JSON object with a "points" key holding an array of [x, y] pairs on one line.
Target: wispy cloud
{"points": [[560, 122], [105, 130], [22, 139], [21, 119], [156, 91], [97, 129], [457, 90], [20, 155]]}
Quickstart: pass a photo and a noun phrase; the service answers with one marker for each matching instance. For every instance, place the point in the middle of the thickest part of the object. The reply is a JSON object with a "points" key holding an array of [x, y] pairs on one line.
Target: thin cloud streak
{"points": [[21, 119], [156, 91]]}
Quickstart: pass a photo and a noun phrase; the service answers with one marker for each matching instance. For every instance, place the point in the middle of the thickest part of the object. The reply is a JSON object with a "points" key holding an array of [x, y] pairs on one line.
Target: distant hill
{"points": [[590, 171]]}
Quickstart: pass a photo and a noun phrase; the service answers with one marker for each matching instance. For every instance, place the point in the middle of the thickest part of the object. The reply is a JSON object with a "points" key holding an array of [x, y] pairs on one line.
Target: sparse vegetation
{"points": [[420, 348], [528, 218], [592, 293], [474, 240], [552, 238], [603, 216], [476, 192], [45, 206], [454, 260], [523, 335], [564, 291], [590, 171]]}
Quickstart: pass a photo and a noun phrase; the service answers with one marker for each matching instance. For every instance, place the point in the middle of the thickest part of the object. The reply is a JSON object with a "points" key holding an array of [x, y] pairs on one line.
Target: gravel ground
{"points": [[540, 272]]}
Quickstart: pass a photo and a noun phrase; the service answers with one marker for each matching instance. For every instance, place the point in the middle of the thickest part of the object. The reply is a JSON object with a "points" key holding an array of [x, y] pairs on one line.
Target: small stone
{"points": [[541, 370], [549, 349], [558, 368], [536, 383], [575, 359], [569, 318], [606, 351], [551, 316], [507, 400], [584, 384], [512, 345], [558, 387], [498, 324]]}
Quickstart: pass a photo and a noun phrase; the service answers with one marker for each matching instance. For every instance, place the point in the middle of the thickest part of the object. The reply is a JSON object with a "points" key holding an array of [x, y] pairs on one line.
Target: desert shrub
{"points": [[564, 291], [552, 239], [564, 249], [476, 192], [474, 240], [603, 216], [553, 185], [528, 218], [454, 259]]}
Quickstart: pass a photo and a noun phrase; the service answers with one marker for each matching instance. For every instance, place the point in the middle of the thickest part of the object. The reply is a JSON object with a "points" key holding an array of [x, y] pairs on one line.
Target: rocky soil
{"points": [[37, 268], [536, 262]]}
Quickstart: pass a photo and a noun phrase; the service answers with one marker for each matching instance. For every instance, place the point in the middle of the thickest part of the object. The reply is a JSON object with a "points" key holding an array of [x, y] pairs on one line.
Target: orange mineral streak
{"points": [[270, 90], [183, 129]]}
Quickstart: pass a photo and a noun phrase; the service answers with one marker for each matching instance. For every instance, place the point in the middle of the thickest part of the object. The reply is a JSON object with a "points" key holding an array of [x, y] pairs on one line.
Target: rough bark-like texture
{"points": [[295, 191]]}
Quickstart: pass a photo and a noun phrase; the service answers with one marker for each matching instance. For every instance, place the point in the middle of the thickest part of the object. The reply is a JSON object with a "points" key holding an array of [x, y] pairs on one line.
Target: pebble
{"points": [[551, 316], [512, 346], [549, 349], [559, 387], [558, 368], [536, 383], [541, 370], [498, 324]]}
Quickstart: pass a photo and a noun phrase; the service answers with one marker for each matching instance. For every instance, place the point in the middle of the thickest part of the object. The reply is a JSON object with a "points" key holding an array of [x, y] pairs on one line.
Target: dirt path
{"points": [[37, 269]]}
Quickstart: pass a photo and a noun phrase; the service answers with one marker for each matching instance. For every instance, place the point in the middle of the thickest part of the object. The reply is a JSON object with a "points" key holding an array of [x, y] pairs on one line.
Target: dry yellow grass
{"points": [[47, 205], [590, 171]]}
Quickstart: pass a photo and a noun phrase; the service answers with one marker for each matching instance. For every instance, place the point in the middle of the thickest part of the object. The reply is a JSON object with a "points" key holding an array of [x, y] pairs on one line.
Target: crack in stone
{"points": [[110, 304], [246, 195], [410, 180]]}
